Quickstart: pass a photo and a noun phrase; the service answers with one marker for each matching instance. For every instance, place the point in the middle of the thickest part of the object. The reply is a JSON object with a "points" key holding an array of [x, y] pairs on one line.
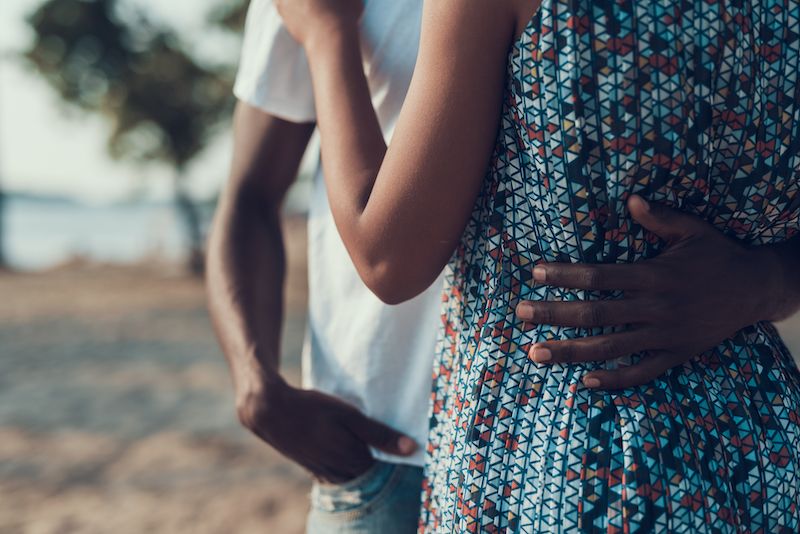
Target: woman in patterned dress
{"points": [[590, 116]]}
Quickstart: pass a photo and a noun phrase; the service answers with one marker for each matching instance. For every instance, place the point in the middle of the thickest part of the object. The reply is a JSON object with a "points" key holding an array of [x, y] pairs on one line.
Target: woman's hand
{"points": [[699, 291], [307, 20]]}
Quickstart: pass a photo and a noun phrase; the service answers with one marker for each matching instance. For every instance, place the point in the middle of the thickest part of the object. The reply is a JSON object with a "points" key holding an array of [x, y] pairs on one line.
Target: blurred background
{"points": [[116, 412]]}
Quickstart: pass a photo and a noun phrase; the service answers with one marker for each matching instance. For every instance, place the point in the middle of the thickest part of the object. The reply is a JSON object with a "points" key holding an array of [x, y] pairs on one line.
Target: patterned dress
{"points": [[691, 103]]}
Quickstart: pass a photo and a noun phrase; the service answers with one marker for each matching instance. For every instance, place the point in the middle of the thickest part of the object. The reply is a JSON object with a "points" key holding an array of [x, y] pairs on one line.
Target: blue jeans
{"points": [[384, 500]]}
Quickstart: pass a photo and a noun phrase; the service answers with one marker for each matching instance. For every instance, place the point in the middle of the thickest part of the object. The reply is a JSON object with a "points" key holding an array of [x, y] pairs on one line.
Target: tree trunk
{"points": [[3, 259], [190, 217]]}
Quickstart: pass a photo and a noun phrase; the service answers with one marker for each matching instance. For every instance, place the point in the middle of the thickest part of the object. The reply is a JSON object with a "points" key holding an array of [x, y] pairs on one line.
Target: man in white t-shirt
{"points": [[360, 426]]}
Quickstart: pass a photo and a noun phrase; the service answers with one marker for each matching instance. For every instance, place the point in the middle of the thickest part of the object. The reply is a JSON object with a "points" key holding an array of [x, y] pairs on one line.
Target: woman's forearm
{"points": [[401, 209], [353, 146], [353, 151]]}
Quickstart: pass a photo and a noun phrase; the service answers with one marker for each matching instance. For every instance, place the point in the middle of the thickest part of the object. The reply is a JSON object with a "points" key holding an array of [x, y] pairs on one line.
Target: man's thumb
{"points": [[668, 224], [384, 438]]}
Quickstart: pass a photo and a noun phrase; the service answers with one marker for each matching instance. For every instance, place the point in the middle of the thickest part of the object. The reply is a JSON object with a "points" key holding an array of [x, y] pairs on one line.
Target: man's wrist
{"points": [[772, 292], [254, 379]]}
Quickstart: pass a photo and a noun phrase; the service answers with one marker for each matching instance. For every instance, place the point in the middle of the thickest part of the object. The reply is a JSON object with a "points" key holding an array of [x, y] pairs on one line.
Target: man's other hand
{"points": [[323, 434]]}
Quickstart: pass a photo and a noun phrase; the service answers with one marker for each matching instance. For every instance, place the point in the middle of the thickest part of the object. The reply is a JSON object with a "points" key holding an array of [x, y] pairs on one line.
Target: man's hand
{"points": [[312, 19], [699, 291], [321, 433]]}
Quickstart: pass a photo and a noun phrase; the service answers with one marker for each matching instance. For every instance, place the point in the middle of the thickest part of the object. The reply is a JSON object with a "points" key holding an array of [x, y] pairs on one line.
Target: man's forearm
{"points": [[784, 280], [246, 270], [246, 259]]}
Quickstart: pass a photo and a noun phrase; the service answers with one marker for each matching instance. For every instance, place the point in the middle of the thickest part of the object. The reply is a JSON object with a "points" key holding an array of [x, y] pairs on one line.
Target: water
{"points": [[43, 233]]}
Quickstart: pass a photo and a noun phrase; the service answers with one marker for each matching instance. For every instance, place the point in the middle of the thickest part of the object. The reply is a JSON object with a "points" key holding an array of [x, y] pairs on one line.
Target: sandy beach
{"points": [[116, 412]]}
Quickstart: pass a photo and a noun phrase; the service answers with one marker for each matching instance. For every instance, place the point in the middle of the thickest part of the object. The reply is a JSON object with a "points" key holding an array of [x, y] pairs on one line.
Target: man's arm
{"points": [[246, 258], [246, 268]]}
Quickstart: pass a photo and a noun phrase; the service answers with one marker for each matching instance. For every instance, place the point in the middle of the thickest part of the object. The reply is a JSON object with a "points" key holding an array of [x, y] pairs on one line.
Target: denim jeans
{"points": [[384, 500]]}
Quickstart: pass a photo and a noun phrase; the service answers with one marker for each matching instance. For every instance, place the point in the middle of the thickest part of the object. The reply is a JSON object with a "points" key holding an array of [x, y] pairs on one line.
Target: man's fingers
{"points": [[382, 437], [588, 349], [583, 313], [599, 277], [323, 474], [667, 223], [334, 456], [649, 368]]}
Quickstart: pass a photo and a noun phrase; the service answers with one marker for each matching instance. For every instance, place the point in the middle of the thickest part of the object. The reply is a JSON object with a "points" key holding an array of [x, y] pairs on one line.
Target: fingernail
{"points": [[406, 445], [539, 274], [525, 311], [591, 382], [645, 204], [542, 354]]}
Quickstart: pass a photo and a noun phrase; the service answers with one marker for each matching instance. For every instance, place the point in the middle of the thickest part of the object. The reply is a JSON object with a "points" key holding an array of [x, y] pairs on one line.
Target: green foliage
{"points": [[229, 15], [162, 104]]}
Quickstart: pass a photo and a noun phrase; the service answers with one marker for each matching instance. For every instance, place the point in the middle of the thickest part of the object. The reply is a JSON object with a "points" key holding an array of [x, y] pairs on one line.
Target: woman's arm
{"points": [[401, 211]]}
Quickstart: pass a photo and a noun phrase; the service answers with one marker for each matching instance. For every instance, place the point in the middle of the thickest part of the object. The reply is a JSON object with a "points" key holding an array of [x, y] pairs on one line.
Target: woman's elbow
{"points": [[391, 282]]}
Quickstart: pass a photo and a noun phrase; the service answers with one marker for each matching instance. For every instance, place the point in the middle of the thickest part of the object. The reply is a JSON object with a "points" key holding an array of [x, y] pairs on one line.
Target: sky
{"points": [[46, 149]]}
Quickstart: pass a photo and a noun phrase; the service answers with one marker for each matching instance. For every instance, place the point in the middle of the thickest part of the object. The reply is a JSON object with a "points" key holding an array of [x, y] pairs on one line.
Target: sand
{"points": [[116, 412]]}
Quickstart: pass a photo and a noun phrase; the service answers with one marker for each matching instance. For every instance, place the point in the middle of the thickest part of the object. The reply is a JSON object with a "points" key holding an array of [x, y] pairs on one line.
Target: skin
{"points": [[400, 211], [246, 271], [699, 291]]}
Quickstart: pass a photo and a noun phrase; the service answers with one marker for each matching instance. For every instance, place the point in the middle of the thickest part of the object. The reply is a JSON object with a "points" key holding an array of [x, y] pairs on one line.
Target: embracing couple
{"points": [[542, 269]]}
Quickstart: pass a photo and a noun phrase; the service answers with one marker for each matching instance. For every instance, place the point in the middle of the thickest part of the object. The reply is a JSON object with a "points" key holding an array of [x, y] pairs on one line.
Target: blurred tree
{"points": [[163, 105], [229, 15], [3, 258]]}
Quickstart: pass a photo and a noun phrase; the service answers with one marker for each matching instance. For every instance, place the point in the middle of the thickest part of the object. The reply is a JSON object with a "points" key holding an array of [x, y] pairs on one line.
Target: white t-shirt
{"points": [[377, 357]]}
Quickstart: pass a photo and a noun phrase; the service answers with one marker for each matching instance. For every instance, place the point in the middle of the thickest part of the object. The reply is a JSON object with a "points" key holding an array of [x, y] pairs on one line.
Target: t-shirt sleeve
{"points": [[273, 71]]}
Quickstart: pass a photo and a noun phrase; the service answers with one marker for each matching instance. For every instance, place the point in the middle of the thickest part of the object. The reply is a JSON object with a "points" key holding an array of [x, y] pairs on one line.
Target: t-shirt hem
{"points": [[278, 107], [415, 460]]}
